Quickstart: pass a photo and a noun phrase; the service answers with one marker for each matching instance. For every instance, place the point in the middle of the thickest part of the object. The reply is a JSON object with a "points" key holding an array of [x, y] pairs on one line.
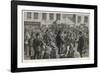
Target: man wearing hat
{"points": [[80, 43]]}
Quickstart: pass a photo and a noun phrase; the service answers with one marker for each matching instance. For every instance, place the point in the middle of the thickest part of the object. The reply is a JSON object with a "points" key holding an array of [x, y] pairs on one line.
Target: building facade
{"points": [[38, 18]]}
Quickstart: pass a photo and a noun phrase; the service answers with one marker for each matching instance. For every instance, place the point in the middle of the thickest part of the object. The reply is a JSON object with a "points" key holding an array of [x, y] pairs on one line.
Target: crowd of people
{"points": [[57, 42]]}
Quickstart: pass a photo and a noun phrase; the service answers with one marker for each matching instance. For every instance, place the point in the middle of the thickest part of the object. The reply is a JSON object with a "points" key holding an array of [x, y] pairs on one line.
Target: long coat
{"points": [[80, 44]]}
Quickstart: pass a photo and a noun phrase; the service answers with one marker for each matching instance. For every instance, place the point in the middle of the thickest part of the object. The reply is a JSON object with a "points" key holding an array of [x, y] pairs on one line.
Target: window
{"points": [[51, 16], [74, 18], [44, 16], [36, 15], [29, 15], [86, 19], [79, 19], [58, 16]]}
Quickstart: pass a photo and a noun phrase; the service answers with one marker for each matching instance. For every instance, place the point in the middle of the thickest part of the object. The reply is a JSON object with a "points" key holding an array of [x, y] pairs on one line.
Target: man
{"points": [[30, 45], [80, 43], [59, 42], [37, 46], [46, 37]]}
